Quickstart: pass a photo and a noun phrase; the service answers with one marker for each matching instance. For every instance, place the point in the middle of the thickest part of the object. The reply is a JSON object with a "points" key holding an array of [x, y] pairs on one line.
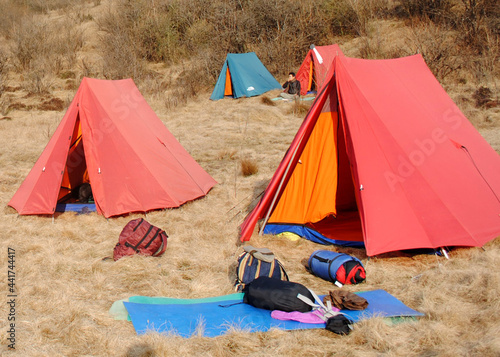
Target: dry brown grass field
{"points": [[64, 287]]}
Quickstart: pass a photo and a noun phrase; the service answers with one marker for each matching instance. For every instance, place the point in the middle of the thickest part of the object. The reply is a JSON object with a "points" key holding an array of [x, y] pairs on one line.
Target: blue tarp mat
{"points": [[119, 312], [301, 98], [213, 319], [76, 207]]}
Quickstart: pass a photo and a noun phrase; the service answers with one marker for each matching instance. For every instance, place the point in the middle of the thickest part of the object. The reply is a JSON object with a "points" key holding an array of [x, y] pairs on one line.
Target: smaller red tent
{"points": [[112, 138], [313, 70]]}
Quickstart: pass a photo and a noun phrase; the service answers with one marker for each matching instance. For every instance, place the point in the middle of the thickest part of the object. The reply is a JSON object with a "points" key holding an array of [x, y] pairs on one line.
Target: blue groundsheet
{"points": [[214, 318], [80, 208]]}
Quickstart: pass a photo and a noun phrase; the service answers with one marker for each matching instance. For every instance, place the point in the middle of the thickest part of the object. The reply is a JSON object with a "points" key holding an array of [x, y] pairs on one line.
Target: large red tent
{"points": [[112, 138], [384, 157]]}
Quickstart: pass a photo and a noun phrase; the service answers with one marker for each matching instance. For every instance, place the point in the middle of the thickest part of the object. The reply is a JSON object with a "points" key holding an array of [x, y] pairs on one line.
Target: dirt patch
{"points": [[56, 104], [19, 106], [12, 88]]}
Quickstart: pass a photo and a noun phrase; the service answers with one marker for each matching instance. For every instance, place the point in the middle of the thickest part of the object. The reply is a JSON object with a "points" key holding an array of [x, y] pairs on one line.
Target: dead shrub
{"points": [[199, 35], [12, 11], [474, 20], [344, 21], [267, 101], [175, 98], [141, 350], [67, 75], [438, 47], [70, 84], [155, 85], [5, 103], [248, 167], [55, 104], [12, 89], [158, 40], [349, 17], [38, 83], [435, 10], [48, 46], [18, 106], [120, 54], [87, 68], [120, 59], [226, 154], [299, 108], [482, 96], [28, 39], [374, 46], [207, 30], [44, 6], [4, 72], [187, 85]]}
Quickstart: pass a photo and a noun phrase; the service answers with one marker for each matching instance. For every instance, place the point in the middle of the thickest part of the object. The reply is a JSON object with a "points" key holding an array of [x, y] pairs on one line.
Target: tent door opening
{"points": [[75, 184], [319, 199]]}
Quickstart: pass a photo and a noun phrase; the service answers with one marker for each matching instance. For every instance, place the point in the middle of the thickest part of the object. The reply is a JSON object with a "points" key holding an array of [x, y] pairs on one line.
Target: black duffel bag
{"points": [[274, 294]]}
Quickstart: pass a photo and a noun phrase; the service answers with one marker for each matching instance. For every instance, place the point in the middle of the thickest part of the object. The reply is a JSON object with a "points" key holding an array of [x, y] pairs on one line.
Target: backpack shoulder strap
{"points": [[282, 269]]}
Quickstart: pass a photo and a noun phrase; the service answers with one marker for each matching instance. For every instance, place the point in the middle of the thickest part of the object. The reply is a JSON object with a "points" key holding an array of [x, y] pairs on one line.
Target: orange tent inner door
{"points": [[314, 195], [228, 89], [75, 171]]}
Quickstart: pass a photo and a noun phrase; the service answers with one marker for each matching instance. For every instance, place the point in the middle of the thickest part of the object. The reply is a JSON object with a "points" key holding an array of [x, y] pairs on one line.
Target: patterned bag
{"points": [[140, 237], [250, 268]]}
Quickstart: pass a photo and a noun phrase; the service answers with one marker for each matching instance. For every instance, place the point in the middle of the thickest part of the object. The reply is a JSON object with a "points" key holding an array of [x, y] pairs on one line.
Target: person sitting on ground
{"points": [[292, 87]]}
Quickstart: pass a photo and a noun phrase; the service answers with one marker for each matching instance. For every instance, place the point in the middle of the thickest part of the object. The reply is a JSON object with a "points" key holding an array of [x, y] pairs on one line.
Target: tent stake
{"points": [[445, 253]]}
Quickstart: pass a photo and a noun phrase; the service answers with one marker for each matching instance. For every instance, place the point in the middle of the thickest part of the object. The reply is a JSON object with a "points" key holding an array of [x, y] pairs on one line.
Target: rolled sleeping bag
{"points": [[339, 268]]}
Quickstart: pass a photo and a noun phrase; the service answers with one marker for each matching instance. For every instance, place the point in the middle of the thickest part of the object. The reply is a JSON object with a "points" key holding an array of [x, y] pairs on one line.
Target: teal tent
{"points": [[243, 75]]}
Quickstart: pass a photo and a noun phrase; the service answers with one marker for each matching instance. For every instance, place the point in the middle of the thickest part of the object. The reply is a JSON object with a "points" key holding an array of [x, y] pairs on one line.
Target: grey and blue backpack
{"points": [[250, 268]]}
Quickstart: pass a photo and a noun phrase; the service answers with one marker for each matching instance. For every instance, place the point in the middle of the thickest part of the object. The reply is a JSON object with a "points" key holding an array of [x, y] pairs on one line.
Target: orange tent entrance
{"points": [[76, 172], [318, 200]]}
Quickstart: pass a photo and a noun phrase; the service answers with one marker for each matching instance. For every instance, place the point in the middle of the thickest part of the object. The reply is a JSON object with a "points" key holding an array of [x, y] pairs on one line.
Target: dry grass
{"points": [[65, 289]]}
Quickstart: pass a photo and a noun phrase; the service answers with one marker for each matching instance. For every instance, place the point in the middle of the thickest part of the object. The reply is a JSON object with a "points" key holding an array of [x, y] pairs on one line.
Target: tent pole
{"points": [[279, 188]]}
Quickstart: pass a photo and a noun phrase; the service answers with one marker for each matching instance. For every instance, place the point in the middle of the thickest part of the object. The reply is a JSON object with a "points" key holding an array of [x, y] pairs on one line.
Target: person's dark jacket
{"points": [[292, 87]]}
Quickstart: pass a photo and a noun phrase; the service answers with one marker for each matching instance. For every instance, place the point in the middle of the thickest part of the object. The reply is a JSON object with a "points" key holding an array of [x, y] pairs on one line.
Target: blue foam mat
{"points": [[80, 208], [119, 312], [216, 318]]}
